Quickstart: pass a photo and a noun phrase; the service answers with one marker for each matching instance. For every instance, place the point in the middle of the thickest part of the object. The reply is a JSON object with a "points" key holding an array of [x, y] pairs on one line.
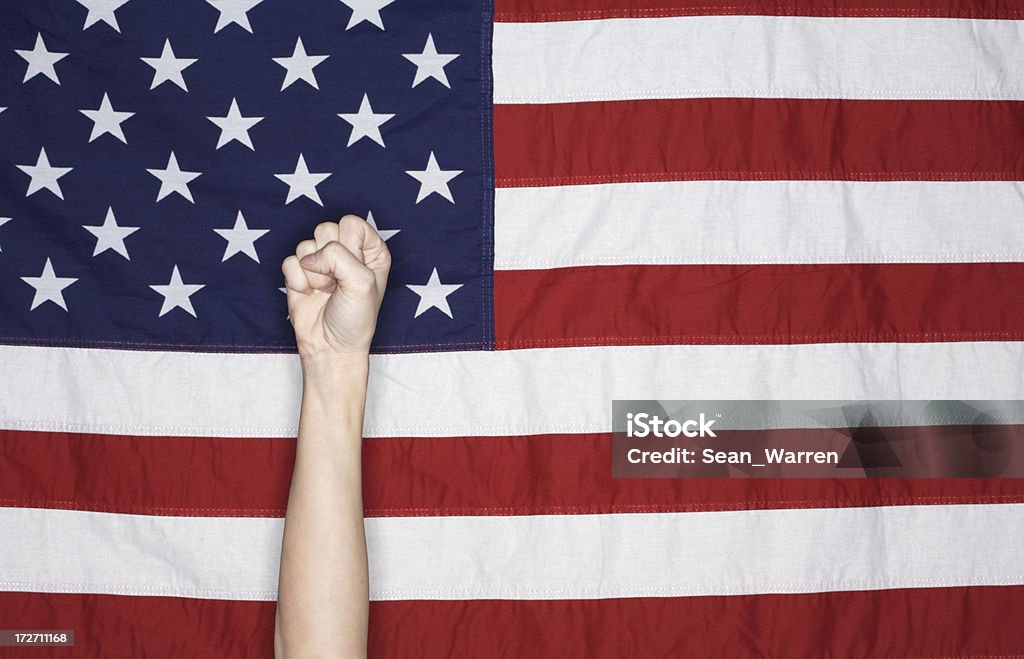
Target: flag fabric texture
{"points": [[586, 200]]}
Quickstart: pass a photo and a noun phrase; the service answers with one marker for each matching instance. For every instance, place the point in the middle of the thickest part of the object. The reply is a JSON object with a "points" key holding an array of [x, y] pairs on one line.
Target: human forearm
{"points": [[323, 592], [335, 283]]}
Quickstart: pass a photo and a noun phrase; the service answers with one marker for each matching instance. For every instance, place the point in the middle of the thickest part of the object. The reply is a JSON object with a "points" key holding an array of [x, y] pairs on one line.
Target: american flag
{"points": [[586, 200]]}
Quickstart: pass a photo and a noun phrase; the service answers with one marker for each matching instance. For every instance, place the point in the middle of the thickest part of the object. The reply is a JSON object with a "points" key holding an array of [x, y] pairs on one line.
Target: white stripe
{"points": [[478, 393], [531, 557], [758, 222], [790, 414], [758, 56], [70, 551]]}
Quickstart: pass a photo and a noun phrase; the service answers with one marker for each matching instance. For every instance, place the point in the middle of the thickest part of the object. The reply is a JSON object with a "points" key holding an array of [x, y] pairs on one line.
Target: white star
{"points": [[168, 68], [235, 127], [110, 236], [365, 10], [430, 63], [433, 294], [300, 66], [302, 183], [384, 234], [172, 179], [241, 239], [176, 294], [44, 176], [107, 120], [284, 289], [102, 10], [3, 221], [365, 123], [434, 179], [49, 287], [40, 60], [233, 11]]}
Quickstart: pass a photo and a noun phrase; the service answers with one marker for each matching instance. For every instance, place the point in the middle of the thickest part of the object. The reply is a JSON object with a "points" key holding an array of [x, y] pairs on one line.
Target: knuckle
{"points": [[350, 228], [353, 228], [324, 229]]}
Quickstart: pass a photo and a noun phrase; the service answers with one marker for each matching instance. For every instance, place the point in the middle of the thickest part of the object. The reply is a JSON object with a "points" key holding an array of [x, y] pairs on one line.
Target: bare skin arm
{"points": [[333, 299]]}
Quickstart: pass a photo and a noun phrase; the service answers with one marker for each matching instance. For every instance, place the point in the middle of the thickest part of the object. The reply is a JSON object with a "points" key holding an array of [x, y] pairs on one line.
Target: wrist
{"points": [[335, 369], [335, 387]]}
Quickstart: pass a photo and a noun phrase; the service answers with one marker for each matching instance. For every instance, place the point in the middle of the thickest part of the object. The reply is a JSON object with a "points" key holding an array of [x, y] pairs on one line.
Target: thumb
{"points": [[335, 261]]}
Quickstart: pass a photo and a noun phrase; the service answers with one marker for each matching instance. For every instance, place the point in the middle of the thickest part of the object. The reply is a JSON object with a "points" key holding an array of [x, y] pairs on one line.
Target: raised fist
{"points": [[335, 284]]}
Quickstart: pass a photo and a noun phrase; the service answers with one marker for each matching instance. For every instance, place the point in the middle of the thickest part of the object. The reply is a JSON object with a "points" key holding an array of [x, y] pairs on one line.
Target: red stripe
{"points": [[758, 304], [571, 474], [510, 11], [927, 622], [932, 622], [191, 476], [745, 138], [422, 476], [134, 626]]}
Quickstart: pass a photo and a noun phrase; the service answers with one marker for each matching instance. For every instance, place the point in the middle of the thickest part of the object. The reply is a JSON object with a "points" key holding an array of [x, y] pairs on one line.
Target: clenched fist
{"points": [[335, 285]]}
